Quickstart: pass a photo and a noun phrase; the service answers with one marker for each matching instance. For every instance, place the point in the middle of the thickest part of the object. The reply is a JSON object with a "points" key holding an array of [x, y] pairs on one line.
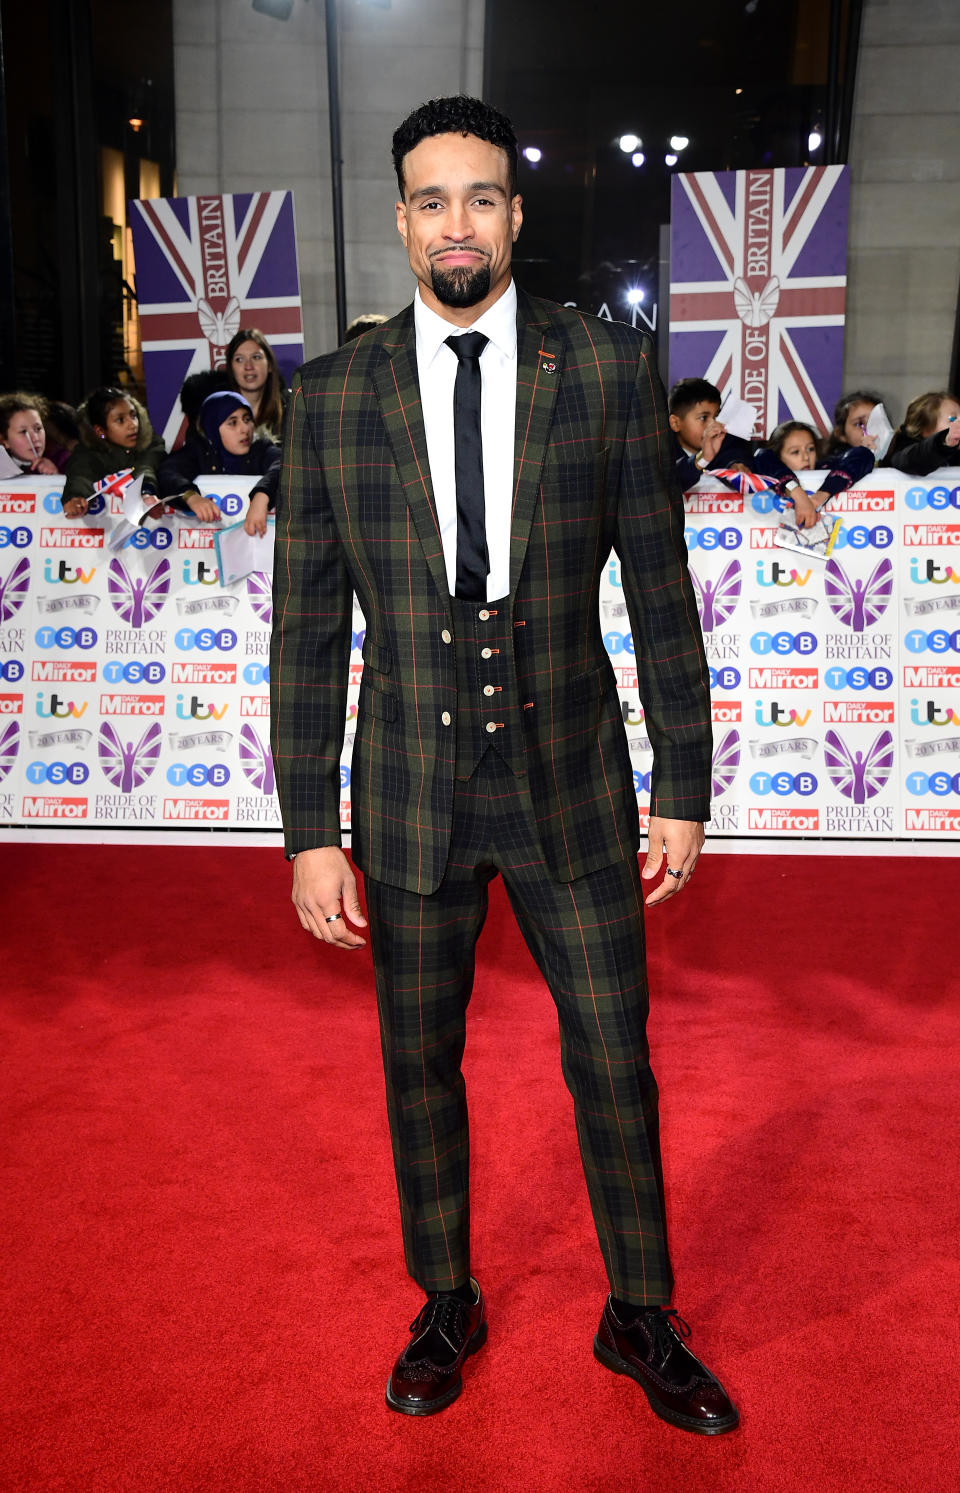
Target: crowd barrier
{"points": [[135, 688]]}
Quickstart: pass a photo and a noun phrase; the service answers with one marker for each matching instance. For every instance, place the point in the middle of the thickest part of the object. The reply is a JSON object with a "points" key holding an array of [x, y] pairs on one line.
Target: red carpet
{"points": [[202, 1280]]}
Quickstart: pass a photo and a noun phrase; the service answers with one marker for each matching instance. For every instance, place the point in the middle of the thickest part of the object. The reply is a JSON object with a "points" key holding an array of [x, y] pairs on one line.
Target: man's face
{"points": [[690, 426], [458, 221]]}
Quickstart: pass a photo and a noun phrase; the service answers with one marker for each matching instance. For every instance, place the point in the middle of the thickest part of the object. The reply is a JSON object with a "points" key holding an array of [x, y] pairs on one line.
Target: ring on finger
{"points": [[334, 919], [677, 875]]}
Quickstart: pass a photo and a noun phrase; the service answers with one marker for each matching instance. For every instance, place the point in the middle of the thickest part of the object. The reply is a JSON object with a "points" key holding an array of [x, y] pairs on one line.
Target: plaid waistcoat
{"points": [[593, 471]]}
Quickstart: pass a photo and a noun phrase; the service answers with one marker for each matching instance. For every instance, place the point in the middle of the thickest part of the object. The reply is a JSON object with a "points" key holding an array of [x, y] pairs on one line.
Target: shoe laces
{"points": [[665, 1331], [439, 1312]]}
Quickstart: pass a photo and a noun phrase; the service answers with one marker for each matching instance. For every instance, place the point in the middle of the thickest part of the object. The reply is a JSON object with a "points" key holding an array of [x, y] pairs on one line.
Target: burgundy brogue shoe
{"points": [[426, 1376], [650, 1349]]}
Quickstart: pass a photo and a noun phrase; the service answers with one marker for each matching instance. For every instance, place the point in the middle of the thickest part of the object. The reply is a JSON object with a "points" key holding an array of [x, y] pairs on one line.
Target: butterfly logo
{"points": [[219, 326], [260, 592], [9, 746], [858, 776], [716, 600], [756, 307], [128, 764], [255, 760], [726, 760], [13, 590], [134, 599], [859, 604]]}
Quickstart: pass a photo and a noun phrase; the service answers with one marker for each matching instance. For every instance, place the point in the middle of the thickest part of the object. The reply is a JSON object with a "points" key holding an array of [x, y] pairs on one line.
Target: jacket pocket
{"points": [[378, 658]]}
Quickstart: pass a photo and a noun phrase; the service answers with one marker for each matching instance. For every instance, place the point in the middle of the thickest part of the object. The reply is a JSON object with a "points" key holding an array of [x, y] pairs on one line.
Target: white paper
{"points": [[10, 468], [879, 425], [817, 541], [240, 553], [738, 417], [132, 501]]}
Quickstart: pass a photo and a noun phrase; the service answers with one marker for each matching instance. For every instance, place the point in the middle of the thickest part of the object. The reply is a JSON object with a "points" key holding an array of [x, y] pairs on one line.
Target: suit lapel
{"points": [[398, 390], [539, 360]]}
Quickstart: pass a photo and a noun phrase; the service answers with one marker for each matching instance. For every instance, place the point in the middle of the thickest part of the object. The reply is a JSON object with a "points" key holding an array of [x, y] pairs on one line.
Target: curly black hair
{"points": [[460, 115]]}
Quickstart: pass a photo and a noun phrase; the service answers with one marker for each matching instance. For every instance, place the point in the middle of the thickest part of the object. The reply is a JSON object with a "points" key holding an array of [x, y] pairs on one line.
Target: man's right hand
{"points": [[325, 887]]}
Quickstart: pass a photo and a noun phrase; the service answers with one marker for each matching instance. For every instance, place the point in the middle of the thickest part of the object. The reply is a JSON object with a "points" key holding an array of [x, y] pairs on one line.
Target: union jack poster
{"points": [[206, 266], [758, 282]]}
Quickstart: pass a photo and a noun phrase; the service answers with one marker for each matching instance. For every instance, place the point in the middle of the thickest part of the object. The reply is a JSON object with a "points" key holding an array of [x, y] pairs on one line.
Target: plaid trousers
{"points": [[587, 939]]}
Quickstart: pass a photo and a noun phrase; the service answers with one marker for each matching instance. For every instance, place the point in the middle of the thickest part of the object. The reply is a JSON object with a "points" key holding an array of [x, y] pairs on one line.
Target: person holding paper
{"points": [[701, 440], [929, 436], [223, 441], [795, 447], [23, 436], [116, 436]]}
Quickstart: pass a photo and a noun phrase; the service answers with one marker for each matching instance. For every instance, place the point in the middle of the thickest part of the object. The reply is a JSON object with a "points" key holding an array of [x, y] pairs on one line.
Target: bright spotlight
{"points": [[533, 154], [670, 159], [638, 158], [629, 143], [814, 140], [634, 297], [678, 142]]}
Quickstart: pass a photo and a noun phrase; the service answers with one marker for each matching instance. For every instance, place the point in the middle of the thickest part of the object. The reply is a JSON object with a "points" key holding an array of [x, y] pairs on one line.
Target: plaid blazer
{"points": [[593, 472]]}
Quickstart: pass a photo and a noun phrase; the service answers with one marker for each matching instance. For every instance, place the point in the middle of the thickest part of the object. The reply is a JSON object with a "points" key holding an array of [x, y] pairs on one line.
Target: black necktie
{"points": [[473, 564]]}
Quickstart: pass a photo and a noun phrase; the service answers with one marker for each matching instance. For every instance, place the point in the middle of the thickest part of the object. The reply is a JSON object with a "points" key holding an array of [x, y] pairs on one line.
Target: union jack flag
{"points": [[758, 287], [207, 266]]}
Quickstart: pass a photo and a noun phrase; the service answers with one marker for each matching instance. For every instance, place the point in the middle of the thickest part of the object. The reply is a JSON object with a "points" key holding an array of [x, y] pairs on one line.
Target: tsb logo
{"points": [[933, 497], [938, 641], [19, 537], [859, 537], [784, 643], [134, 672], [58, 773], [713, 539], [939, 783], [65, 637], [158, 539], [858, 678], [783, 784], [205, 639], [618, 642], [198, 774], [11, 670], [256, 673], [725, 678]]}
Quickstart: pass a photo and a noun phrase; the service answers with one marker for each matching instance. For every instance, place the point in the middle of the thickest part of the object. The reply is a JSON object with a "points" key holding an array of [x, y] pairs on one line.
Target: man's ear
{"points": [[516, 216], [674, 421], [402, 221]]}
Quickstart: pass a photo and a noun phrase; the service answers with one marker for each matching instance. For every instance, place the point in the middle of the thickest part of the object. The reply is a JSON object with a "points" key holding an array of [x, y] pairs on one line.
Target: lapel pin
{"points": [[548, 365]]}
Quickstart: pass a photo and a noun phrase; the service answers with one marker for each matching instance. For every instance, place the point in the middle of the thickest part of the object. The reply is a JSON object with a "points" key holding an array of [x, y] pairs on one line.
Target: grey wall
{"points": [[904, 265], [251, 98]]}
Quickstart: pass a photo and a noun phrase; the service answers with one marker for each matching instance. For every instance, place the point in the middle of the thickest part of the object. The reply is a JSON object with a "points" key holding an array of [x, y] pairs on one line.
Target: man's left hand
{"points": [[675, 844]]}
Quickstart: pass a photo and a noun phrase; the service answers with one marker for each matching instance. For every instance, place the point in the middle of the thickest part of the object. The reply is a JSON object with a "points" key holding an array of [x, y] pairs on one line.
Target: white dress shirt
{"points": [[437, 370]]}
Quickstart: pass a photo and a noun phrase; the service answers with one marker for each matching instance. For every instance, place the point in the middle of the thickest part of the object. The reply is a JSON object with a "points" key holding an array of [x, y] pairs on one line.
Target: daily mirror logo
{"points": [[51, 806], [191, 810], [56, 538], [18, 502]]}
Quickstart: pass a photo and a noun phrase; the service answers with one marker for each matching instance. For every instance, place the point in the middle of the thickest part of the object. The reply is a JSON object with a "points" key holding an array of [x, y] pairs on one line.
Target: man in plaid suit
{"points": [[466, 469]]}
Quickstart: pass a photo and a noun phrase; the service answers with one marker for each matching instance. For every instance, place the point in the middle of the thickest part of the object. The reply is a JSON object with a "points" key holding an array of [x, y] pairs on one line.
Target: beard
{"points": [[463, 285]]}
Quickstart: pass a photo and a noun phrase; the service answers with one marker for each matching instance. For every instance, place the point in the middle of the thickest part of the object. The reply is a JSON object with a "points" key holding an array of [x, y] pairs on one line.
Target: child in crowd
{"points": [[63, 432], [701, 441], [850, 417], [23, 435], [795, 447], [116, 434], [253, 372], [223, 440], [929, 436]]}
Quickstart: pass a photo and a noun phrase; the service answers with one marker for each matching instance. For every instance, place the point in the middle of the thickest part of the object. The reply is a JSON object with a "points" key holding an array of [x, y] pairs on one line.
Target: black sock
{"points": [[466, 1294], [626, 1310]]}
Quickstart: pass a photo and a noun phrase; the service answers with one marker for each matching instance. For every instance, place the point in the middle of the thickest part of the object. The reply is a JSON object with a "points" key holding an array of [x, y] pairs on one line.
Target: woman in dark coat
{"points": [[222, 441]]}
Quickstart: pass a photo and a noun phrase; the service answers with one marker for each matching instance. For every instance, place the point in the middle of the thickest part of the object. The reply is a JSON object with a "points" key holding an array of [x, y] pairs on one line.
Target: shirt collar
{"points": [[498, 322]]}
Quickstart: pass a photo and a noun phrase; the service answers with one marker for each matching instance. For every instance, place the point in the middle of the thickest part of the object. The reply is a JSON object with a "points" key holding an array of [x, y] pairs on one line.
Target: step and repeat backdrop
{"points": [[135, 689]]}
